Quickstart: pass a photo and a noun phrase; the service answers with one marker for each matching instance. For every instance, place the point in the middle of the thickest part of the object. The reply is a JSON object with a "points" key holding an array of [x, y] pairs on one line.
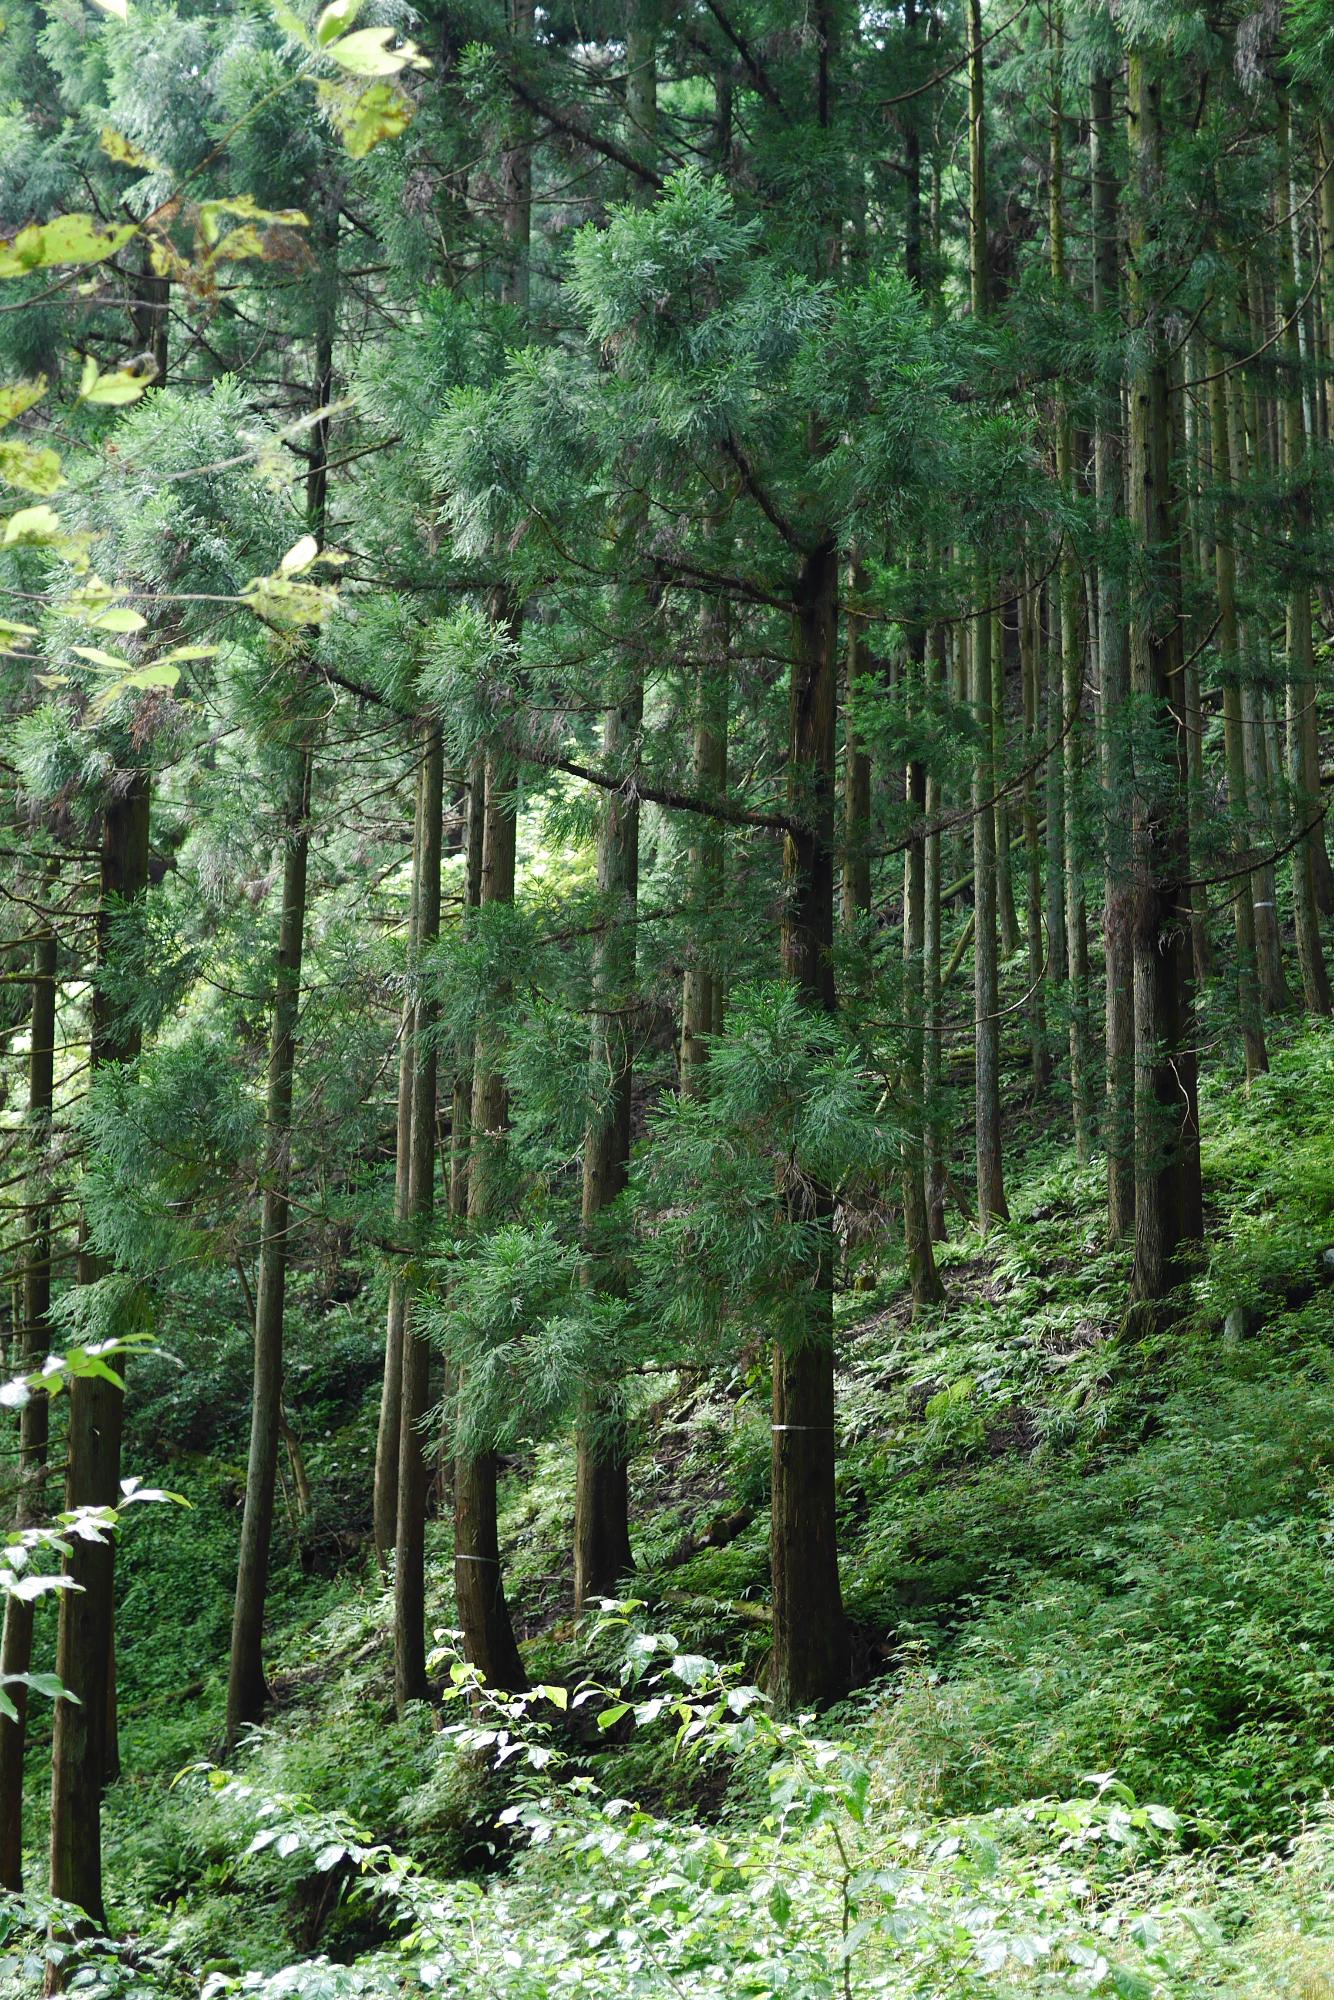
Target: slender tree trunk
{"points": [[79, 1745], [931, 1022], [410, 1680], [34, 1420], [702, 984], [1234, 731], [384, 1504], [1039, 1054], [1167, 1179], [460, 1121], [479, 1590], [601, 1494], [246, 1687], [855, 886], [1310, 862], [986, 1013], [1006, 915], [923, 1277], [809, 1661], [1072, 676], [1259, 775]]}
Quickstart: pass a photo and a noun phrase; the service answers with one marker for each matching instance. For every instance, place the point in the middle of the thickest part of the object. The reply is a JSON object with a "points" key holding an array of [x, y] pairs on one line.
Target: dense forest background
{"points": [[665, 1072]]}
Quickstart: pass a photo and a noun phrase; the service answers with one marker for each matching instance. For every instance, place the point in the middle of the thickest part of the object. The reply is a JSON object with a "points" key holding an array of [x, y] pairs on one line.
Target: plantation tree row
{"points": [[567, 583]]}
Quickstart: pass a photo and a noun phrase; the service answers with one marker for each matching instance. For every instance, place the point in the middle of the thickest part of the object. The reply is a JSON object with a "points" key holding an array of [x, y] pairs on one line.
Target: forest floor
{"points": [[1091, 1595]]}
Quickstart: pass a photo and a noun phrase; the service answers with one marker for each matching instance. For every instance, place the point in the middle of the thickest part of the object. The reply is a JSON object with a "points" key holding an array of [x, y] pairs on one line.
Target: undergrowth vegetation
{"points": [[1091, 1583]]}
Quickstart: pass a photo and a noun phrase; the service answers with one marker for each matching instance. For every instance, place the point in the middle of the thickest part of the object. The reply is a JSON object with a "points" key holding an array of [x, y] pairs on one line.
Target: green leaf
{"points": [[32, 525], [120, 387], [16, 397], [120, 618], [364, 119], [300, 556], [611, 1716], [116, 7], [559, 1697], [69, 239], [51, 1686], [337, 16], [244, 208], [367, 53], [31, 468], [112, 663], [124, 151]]}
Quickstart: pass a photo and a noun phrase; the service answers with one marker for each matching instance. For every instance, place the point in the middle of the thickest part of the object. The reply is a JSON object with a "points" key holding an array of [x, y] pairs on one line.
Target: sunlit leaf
{"points": [[32, 525], [69, 239], [337, 16], [364, 119], [120, 618], [16, 397], [367, 53], [30, 468], [124, 151]]}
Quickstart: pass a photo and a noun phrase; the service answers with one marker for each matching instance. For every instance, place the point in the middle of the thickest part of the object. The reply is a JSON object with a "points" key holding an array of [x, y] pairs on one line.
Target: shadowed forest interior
{"points": [[666, 1080]]}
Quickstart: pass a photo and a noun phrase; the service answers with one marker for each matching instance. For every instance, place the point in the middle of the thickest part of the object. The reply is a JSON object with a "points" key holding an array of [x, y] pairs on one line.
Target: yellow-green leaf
{"points": [[337, 16], [32, 524], [188, 653], [69, 239], [124, 151], [367, 53], [245, 209], [300, 556], [363, 119], [290, 23], [112, 663], [280, 601], [120, 618], [16, 397], [157, 675], [116, 7], [121, 387], [32, 468]]}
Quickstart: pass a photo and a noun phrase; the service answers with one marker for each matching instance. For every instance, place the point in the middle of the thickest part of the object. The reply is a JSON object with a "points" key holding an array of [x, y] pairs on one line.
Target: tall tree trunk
{"points": [[1234, 727], [931, 1022], [1310, 860], [34, 1420], [246, 1687], [479, 1589], [601, 1494], [1039, 1054], [809, 1661], [384, 1498], [855, 884], [602, 1489], [923, 1277], [1072, 673], [79, 1743], [460, 1119], [410, 1681], [1167, 1178], [986, 1012], [702, 983], [1006, 915], [247, 1690]]}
